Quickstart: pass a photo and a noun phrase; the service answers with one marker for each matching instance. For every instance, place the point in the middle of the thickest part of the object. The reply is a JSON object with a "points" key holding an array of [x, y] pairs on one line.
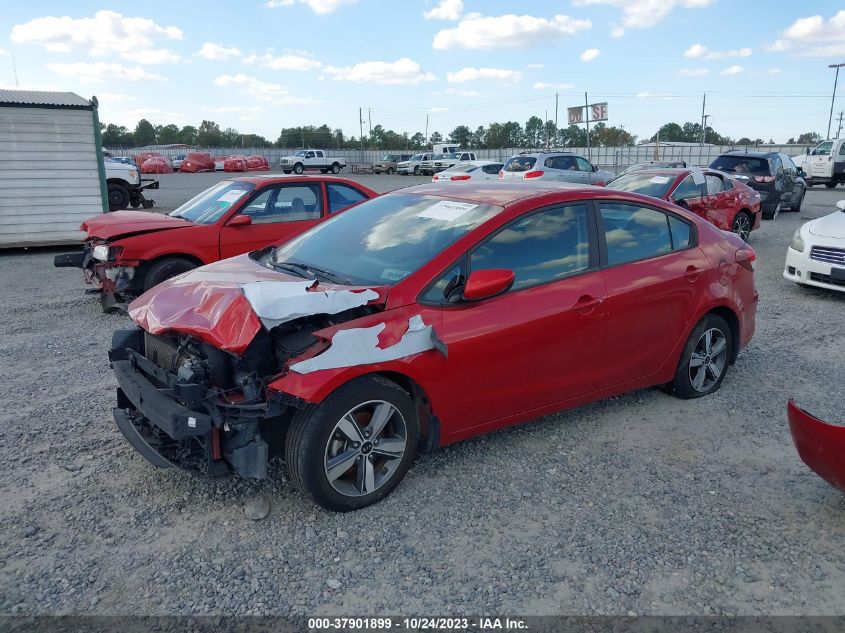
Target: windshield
{"points": [[388, 158], [519, 163], [299, 153], [822, 149], [740, 164], [452, 155], [416, 157], [213, 203], [383, 240], [654, 185]]}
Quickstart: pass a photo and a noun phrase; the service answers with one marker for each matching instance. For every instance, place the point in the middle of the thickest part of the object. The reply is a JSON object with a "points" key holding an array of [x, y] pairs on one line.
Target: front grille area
{"points": [[825, 279], [160, 350], [828, 255]]}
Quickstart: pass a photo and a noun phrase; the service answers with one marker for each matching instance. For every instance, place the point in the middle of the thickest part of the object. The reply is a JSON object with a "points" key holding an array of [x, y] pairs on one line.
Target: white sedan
{"points": [[816, 256], [469, 170]]}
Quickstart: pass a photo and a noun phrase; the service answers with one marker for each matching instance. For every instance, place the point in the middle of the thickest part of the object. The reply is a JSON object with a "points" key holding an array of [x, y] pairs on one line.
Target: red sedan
{"points": [[128, 252], [423, 317], [708, 193]]}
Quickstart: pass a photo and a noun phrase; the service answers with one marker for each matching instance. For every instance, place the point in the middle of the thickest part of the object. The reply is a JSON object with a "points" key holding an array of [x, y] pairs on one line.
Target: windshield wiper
{"points": [[316, 272]]}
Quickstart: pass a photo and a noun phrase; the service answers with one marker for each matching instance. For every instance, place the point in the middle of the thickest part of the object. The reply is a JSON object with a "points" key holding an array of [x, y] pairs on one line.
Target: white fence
{"points": [[611, 158]]}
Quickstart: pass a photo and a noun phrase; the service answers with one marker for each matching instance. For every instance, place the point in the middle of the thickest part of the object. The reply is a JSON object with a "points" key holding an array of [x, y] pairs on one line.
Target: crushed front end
{"points": [[113, 279]]}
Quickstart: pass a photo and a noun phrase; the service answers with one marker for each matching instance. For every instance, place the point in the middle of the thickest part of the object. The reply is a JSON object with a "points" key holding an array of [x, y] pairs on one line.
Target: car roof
{"points": [[549, 153], [260, 179], [477, 163], [741, 154], [496, 193], [660, 171]]}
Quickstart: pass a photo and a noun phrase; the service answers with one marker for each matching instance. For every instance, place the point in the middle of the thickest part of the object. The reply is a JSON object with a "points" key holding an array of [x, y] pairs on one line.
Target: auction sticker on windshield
{"points": [[392, 274], [660, 180], [232, 196], [446, 210]]}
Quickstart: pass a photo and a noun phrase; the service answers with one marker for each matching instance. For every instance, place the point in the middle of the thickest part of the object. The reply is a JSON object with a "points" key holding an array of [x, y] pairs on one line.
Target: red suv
{"points": [[423, 317], [128, 252]]}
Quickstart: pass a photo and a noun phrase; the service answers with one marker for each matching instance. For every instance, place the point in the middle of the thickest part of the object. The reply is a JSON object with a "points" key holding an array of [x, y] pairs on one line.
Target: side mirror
{"points": [[841, 205], [483, 284], [241, 220]]}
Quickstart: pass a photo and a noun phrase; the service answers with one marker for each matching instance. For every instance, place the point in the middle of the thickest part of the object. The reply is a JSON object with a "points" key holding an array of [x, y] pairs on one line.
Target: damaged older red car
{"points": [[710, 194], [422, 317], [820, 445], [128, 252]]}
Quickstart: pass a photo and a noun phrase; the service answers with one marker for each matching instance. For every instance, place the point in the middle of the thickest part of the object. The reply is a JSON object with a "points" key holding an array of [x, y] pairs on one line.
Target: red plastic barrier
{"points": [[257, 162], [197, 161], [156, 165], [235, 163]]}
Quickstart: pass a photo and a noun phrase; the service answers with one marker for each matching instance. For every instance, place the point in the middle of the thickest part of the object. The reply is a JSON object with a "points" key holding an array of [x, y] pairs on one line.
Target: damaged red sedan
{"points": [[424, 317], [128, 252]]}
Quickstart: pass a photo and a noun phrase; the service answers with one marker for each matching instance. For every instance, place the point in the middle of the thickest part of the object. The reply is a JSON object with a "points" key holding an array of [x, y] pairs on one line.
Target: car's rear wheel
{"points": [[355, 447], [165, 269], [336, 168], [705, 359], [742, 225], [771, 214]]}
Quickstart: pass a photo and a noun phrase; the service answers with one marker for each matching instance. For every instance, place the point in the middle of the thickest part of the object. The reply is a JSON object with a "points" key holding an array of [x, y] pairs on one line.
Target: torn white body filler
{"points": [[277, 302], [359, 346]]}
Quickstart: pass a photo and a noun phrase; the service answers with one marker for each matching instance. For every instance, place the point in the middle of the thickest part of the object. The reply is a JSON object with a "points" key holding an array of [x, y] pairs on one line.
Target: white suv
{"points": [[413, 164], [559, 166]]}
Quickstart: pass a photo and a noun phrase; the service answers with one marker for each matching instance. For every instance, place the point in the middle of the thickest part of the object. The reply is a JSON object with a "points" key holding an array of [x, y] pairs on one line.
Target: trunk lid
{"points": [[109, 226]]}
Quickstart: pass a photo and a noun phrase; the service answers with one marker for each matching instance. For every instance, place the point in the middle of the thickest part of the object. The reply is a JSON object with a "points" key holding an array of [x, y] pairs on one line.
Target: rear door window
{"points": [[687, 189], [342, 196], [633, 233], [714, 184]]}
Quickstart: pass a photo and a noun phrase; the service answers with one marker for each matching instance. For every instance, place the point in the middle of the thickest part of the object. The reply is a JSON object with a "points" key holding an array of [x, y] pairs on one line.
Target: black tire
{"points": [[797, 207], [118, 196], [830, 185], [324, 171], [287, 171], [165, 269], [312, 434], [298, 168], [742, 225], [390, 171], [771, 214], [335, 168], [416, 170], [682, 385]]}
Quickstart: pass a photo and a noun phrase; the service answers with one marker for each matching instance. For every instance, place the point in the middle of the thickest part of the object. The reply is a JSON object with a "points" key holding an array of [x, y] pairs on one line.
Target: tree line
{"points": [[510, 134]]}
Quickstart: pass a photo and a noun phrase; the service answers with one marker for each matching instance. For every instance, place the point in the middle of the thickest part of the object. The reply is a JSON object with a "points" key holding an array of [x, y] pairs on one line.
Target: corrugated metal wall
{"points": [[49, 182]]}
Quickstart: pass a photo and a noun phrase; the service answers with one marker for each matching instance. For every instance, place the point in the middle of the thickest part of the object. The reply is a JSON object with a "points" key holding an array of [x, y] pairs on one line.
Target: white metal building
{"points": [[51, 167]]}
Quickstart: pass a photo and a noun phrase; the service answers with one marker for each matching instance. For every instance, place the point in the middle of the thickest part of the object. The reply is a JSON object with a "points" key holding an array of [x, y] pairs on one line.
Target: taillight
{"points": [[501, 173], [533, 174], [461, 177], [764, 178], [600, 183], [435, 178], [747, 258]]}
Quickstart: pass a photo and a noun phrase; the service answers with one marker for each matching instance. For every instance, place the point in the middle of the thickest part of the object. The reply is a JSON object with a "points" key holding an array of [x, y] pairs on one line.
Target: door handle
{"points": [[692, 273], [586, 304]]}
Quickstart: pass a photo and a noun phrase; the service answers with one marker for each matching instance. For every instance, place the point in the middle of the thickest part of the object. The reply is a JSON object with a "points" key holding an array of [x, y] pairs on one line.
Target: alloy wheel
{"points": [[708, 361], [742, 226], [365, 448]]}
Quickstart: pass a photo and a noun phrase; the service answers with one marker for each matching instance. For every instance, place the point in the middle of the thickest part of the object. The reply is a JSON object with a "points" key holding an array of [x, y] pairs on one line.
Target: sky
{"points": [[262, 65]]}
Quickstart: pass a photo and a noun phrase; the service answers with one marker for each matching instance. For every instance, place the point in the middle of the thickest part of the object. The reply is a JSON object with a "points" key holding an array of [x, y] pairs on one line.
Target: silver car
{"points": [[412, 165], [559, 166], [470, 170]]}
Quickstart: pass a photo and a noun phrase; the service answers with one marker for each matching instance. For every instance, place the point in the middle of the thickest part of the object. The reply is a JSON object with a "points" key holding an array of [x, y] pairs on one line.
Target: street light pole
{"points": [[833, 98]]}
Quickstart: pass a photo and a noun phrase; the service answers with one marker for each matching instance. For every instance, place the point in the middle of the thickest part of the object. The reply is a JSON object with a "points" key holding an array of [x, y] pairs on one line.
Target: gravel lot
{"points": [[643, 503]]}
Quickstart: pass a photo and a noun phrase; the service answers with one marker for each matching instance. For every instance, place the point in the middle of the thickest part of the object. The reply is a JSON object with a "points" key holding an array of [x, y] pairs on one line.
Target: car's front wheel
{"points": [[298, 168], [705, 359], [164, 269], [118, 196], [355, 447]]}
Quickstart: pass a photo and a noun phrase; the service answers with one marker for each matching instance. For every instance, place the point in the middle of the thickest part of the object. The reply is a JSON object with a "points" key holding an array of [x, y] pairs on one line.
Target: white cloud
{"points": [[473, 74], [643, 14], [477, 32], [446, 10], [320, 7], [693, 72], [403, 71], [108, 32], [699, 51], [4, 52], [95, 72], [263, 90], [813, 36], [736, 69], [436, 109], [284, 62], [218, 52], [590, 54], [157, 56], [463, 93], [542, 85]]}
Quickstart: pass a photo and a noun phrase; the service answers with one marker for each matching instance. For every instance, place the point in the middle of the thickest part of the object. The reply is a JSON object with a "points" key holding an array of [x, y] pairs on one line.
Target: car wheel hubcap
{"points": [[742, 227], [365, 448], [708, 360]]}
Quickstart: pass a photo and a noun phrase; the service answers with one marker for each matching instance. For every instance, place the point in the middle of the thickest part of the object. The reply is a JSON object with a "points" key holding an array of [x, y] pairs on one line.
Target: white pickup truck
{"points": [[452, 159], [311, 159], [824, 164], [125, 185]]}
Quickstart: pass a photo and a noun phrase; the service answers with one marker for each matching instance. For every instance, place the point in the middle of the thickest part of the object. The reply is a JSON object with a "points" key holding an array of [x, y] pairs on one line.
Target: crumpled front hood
{"points": [[124, 223], [832, 225], [226, 303]]}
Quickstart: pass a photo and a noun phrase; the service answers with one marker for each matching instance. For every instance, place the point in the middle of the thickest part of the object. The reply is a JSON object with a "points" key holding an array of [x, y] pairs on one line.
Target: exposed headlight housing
{"points": [[101, 252], [797, 243], [133, 174]]}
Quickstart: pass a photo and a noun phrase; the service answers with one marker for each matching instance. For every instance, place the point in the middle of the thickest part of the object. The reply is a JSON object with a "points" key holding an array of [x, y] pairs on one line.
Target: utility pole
{"points": [[833, 98], [15, 71], [704, 129], [370, 116], [425, 140], [703, 117], [587, 121], [546, 129], [839, 129], [556, 96], [361, 128]]}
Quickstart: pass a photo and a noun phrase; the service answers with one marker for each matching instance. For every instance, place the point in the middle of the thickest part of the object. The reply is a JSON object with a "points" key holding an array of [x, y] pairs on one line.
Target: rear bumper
{"points": [[820, 445]]}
